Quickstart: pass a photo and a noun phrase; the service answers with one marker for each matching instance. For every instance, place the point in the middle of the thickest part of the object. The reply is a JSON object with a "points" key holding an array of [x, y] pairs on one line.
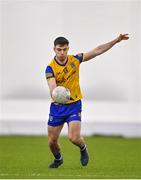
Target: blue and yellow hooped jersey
{"points": [[67, 75]]}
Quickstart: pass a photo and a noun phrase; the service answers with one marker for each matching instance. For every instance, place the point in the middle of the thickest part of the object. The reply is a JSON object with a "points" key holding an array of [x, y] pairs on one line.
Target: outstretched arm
{"points": [[104, 47]]}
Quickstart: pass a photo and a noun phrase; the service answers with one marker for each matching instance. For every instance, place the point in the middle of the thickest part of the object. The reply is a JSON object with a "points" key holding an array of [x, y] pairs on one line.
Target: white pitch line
{"points": [[60, 175]]}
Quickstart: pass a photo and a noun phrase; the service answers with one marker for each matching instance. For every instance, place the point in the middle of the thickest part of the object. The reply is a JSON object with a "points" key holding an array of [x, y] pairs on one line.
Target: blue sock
{"points": [[57, 156]]}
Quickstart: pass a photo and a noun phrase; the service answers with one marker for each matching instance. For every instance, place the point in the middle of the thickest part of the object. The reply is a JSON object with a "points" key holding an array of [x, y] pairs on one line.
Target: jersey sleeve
{"points": [[79, 57], [49, 72]]}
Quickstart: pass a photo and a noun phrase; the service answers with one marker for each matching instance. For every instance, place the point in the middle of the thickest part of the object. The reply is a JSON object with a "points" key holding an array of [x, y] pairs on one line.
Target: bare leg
{"points": [[53, 136], [74, 133], [74, 136]]}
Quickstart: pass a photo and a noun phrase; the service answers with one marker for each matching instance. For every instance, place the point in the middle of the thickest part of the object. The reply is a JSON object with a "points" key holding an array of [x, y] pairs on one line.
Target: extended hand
{"points": [[122, 37]]}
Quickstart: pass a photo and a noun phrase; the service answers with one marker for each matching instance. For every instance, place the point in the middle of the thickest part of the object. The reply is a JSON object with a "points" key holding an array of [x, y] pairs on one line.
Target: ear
{"points": [[54, 48]]}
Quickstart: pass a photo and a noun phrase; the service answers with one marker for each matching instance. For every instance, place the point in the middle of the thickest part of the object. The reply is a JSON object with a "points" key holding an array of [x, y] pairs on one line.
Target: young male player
{"points": [[63, 70]]}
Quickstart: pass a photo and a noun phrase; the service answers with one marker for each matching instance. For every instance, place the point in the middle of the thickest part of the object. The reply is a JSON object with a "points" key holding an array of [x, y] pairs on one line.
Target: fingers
{"points": [[124, 36]]}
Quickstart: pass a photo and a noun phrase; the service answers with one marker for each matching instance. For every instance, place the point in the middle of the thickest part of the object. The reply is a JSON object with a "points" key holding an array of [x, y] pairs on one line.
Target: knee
{"points": [[73, 138], [52, 141]]}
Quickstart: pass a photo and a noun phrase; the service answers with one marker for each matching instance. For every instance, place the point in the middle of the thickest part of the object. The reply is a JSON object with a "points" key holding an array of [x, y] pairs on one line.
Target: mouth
{"points": [[62, 57]]}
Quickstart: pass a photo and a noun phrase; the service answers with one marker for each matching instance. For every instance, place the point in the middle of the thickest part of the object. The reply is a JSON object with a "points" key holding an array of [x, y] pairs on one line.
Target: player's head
{"points": [[61, 47]]}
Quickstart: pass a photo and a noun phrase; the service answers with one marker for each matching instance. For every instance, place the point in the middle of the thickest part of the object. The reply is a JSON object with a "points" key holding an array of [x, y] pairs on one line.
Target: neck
{"points": [[61, 61]]}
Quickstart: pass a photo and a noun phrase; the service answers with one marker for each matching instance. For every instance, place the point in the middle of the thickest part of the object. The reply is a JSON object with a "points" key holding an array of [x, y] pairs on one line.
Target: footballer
{"points": [[63, 70]]}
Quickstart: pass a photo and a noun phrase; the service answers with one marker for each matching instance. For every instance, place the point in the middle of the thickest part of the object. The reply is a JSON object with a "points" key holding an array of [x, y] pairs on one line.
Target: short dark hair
{"points": [[61, 41]]}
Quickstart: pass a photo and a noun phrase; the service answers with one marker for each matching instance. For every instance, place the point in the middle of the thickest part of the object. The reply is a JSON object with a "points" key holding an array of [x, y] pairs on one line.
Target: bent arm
{"points": [[50, 77], [51, 84], [104, 47]]}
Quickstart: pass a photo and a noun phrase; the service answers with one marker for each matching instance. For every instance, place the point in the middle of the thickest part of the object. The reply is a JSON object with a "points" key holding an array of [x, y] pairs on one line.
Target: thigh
{"points": [[54, 131], [74, 128]]}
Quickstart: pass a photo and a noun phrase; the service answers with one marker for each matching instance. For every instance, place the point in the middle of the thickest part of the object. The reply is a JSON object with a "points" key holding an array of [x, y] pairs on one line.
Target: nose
{"points": [[62, 52]]}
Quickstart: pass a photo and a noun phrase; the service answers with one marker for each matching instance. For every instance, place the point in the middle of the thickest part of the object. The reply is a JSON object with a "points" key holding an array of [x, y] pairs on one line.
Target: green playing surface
{"points": [[110, 157]]}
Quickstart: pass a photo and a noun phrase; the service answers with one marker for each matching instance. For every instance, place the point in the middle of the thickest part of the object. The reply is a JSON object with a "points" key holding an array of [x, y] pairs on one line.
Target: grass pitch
{"points": [[110, 157]]}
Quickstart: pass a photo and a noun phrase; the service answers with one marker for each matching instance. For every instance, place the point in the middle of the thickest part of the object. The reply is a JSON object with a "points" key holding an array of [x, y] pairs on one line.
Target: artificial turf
{"points": [[110, 158]]}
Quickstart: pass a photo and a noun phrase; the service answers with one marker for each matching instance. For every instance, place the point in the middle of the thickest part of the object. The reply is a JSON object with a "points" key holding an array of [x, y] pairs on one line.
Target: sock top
{"points": [[83, 147]]}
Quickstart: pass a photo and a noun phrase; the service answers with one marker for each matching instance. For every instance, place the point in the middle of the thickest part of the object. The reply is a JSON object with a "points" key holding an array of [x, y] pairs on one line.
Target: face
{"points": [[61, 51]]}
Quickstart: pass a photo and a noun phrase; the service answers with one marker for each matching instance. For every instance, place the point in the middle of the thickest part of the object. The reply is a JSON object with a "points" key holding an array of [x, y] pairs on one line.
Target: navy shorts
{"points": [[61, 113]]}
